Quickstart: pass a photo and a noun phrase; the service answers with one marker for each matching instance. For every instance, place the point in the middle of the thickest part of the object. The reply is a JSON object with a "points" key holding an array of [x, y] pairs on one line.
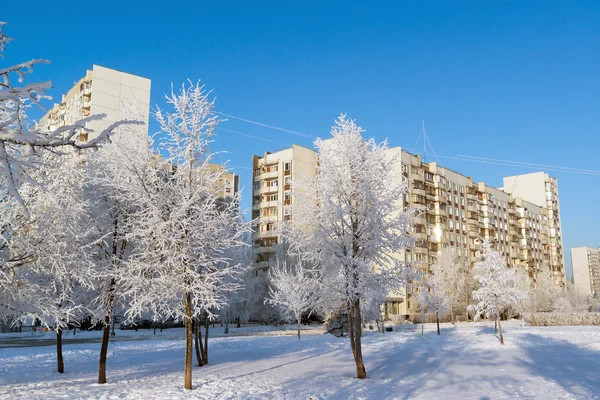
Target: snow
{"points": [[465, 362]]}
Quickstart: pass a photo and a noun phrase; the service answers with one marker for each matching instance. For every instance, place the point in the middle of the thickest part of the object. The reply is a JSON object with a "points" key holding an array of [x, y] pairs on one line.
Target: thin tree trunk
{"points": [[500, 328], [104, 350], [106, 333], [299, 318], [197, 341], [59, 354], [437, 317], [496, 324], [239, 325], [200, 343], [361, 372], [187, 372], [205, 348], [74, 329]]}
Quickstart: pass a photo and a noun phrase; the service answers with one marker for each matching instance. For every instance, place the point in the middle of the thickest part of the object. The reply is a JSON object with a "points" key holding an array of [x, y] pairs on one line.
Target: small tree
{"points": [[183, 226], [433, 298], [349, 223], [294, 290], [454, 278], [498, 285]]}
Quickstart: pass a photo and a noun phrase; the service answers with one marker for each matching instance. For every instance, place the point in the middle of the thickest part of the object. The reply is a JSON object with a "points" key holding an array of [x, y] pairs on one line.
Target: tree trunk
{"points": [[496, 324], [197, 341], [500, 328], [451, 315], [154, 328], [355, 334], [299, 319], [187, 371], [59, 355], [238, 323], [205, 347], [437, 318], [74, 330], [104, 350]]}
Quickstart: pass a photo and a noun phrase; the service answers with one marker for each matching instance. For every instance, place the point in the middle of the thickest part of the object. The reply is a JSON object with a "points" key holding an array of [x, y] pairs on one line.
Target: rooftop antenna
{"points": [[424, 133]]}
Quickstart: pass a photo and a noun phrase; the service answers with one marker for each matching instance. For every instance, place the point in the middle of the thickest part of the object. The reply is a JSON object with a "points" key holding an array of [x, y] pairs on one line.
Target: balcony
{"points": [[420, 235], [271, 233], [267, 204], [419, 220], [267, 219], [268, 189], [261, 264], [474, 233], [420, 192], [263, 250]]}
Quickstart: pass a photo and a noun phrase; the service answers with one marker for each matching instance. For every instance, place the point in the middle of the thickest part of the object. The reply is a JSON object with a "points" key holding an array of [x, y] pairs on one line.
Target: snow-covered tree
{"points": [[109, 173], [183, 227], [498, 285], [434, 298], [58, 276], [453, 275], [22, 145], [24, 148], [294, 290], [349, 222]]}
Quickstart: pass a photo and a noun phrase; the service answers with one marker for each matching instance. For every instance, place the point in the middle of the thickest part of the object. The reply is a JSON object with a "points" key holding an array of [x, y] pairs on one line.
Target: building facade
{"points": [[453, 212], [101, 91], [272, 196], [585, 262]]}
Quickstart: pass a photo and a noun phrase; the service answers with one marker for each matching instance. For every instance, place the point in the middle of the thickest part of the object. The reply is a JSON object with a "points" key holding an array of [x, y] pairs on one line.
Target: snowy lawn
{"points": [[466, 362]]}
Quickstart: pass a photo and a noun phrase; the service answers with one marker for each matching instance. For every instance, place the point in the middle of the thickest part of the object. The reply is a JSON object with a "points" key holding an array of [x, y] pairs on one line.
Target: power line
{"points": [[252, 136], [305, 135], [460, 157], [524, 165]]}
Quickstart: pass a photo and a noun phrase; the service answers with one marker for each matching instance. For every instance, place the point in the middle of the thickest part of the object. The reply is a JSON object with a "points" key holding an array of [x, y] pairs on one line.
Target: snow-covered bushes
{"points": [[336, 322], [399, 319], [562, 318], [562, 306]]}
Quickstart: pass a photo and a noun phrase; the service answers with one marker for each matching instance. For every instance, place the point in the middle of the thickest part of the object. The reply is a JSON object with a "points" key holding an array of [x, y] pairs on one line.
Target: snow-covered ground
{"points": [[465, 362]]}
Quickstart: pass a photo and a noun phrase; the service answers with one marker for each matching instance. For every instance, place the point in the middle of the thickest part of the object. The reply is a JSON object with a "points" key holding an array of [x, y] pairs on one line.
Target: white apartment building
{"points": [[522, 222], [101, 91], [585, 262], [272, 196]]}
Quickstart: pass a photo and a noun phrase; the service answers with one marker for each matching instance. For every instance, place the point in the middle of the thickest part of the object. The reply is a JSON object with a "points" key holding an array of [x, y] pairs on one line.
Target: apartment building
{"points": [[229, 183], [101, 91], [272, 196], [585, 262], [454, 212]]}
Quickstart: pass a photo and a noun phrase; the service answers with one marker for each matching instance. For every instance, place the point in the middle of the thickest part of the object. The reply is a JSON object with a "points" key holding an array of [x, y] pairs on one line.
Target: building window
{"points": [[287, 166]]}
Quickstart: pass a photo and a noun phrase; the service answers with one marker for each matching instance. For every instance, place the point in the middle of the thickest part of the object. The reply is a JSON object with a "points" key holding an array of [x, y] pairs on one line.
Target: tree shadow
{"points": [[575, 369]]}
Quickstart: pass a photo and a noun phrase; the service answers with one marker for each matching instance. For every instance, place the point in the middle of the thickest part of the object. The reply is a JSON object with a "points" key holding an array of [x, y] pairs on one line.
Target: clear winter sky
{"points": [[511, 80]]}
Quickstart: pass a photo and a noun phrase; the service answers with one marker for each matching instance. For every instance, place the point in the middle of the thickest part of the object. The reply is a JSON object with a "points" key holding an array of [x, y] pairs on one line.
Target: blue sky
{"points": [[510, 80]]}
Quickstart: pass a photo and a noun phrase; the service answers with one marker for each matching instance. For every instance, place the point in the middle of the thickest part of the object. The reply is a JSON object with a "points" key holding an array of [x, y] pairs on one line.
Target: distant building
{"points": [[522, 220], [585, 262], [101, 91], [229, 183], [272, 196]]}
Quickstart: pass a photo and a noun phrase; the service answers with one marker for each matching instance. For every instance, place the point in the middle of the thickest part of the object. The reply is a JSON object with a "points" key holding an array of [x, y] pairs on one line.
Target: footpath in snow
{"points": [[465, 362]]}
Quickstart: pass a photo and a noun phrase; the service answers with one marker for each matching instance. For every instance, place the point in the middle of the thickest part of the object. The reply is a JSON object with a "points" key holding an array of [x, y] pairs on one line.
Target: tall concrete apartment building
{"points": [[101, 91], [522, 219], [272, 196], [586, 270]]}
